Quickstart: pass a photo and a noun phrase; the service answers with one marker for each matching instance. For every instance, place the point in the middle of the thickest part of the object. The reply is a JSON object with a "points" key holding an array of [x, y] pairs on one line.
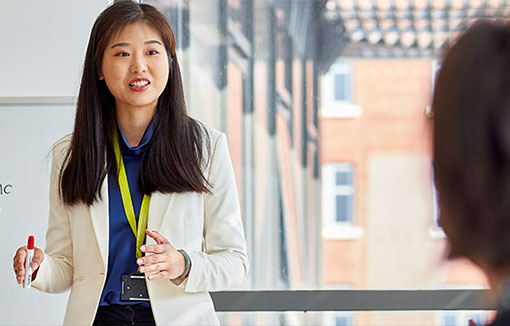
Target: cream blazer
{"points": [[207, 226]]}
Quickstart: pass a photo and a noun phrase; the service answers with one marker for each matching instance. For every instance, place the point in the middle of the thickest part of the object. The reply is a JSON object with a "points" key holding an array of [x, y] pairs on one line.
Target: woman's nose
{"points": [[138, 65]]}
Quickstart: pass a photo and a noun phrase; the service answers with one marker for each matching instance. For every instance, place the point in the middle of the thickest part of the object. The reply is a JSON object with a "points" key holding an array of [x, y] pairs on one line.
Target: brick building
{"points": [[378, 203]]}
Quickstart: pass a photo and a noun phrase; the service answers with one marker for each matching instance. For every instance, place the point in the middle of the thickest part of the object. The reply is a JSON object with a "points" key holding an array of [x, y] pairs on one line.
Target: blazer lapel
{"points": [[99, 214], [158, 208]]}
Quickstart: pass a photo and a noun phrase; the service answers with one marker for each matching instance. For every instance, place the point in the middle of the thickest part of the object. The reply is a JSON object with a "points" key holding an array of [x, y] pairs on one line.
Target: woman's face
{"points": [[135, 67]]}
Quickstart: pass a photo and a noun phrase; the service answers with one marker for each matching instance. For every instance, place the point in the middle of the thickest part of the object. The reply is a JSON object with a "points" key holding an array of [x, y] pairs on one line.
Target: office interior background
{"points": [[326, 104]]}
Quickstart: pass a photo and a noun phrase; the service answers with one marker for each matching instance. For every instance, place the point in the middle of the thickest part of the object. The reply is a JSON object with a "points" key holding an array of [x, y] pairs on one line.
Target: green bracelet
{"points": [[188, 266]]}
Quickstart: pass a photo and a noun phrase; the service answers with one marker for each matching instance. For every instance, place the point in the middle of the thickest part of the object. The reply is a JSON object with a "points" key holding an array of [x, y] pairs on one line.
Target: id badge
{"points": [[134, 288]]}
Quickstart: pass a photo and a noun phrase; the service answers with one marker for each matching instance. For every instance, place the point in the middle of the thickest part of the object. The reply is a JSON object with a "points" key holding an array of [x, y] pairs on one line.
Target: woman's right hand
{"points": [[19, 263]]}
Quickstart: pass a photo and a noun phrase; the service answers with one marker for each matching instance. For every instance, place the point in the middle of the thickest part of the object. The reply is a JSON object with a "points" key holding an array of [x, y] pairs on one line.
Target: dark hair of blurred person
{"points": [[471, 108]]}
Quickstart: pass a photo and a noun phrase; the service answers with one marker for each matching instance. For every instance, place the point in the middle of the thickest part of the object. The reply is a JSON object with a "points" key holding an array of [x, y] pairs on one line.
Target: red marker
{"points": [[28, 261]]}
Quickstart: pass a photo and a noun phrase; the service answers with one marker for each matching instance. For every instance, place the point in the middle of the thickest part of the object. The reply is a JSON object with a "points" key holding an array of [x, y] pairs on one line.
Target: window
{"points": [[337, 319], [344, 193], [341, 72], [338, 193], [450, 320], [232, 67], [455, 318], [371, 101], [343, 320], [337, 95], [342, 84]]}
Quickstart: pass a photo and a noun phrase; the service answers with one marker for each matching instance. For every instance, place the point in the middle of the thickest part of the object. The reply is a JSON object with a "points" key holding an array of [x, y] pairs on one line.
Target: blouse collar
{"points": [[128, 150]]}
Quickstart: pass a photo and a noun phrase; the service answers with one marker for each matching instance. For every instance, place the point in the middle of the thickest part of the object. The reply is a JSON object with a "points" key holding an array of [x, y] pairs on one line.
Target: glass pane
{"points": [[450, 320], [343, 320], [267, 73], [454, 318], [343, 178], [343, 208], [342, 87], [380, 318]]}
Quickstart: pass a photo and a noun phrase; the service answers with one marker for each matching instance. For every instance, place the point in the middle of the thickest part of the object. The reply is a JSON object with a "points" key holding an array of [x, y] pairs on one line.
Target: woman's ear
{"points": [[100, 76]]}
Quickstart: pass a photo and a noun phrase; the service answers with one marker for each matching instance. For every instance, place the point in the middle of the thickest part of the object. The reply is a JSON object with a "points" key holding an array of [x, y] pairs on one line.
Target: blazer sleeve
{"points": [[56, 271], [224, 263]]}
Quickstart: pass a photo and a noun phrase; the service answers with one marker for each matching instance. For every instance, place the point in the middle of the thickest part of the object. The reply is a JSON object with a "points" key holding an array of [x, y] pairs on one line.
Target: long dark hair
{"points": [[173, 159], [472, 144]]}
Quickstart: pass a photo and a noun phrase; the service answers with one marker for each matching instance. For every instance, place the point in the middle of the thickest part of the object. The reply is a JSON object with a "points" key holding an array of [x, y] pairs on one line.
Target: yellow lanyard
{"points": [[139, 231]]}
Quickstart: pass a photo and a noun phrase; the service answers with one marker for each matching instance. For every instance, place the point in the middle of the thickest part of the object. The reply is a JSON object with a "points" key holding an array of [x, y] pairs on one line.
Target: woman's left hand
{"points": [[164, 263]]}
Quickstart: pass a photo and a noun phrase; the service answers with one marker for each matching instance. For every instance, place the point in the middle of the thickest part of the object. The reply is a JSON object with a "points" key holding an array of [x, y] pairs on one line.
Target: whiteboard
{"points": [[26, 137]]}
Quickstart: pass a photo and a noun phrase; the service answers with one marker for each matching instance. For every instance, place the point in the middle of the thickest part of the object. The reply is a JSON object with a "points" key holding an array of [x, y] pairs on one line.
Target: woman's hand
{"points": [[19, 263], [164, 263]]}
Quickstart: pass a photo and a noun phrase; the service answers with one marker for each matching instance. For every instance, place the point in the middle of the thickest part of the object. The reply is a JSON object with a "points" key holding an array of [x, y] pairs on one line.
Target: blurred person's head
{"points": [[471, 108]]}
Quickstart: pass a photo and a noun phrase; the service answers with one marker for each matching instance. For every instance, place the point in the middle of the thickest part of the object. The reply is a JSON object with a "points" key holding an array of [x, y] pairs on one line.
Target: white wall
{"points": [[43, 44], [42, 47]]}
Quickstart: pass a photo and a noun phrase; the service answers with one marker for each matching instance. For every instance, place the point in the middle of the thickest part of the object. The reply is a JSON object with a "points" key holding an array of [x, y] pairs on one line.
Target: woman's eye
{"points": [[152, 52], [122, 54]]}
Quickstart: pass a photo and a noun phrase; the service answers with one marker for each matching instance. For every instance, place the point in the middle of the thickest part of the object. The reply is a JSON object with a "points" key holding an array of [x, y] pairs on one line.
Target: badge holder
{"points": [[134, 288]]}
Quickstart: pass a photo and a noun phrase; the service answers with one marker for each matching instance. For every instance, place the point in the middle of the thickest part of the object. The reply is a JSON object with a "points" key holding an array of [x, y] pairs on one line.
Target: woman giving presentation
{"points": [[144, 214]]}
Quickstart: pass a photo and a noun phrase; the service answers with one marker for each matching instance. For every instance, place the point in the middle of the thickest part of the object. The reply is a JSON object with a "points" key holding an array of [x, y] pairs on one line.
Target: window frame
{"points": [[331, 107], [242, 298]]}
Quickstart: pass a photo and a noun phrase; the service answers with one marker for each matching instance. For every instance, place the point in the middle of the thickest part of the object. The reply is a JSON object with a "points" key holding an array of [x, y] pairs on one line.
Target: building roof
{"points": [[409, 27]]}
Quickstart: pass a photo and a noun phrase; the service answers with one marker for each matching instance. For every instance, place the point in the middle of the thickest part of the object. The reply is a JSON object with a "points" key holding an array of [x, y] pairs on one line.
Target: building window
{"points": [[337, 319], [342, 84], [338, 194], [343, 190], [337, 92], [340, 79], [455, 318], [343, 320]]}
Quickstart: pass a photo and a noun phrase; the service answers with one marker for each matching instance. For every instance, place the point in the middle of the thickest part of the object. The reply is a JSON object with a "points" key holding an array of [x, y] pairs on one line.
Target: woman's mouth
{"points": [[139, 85]]}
